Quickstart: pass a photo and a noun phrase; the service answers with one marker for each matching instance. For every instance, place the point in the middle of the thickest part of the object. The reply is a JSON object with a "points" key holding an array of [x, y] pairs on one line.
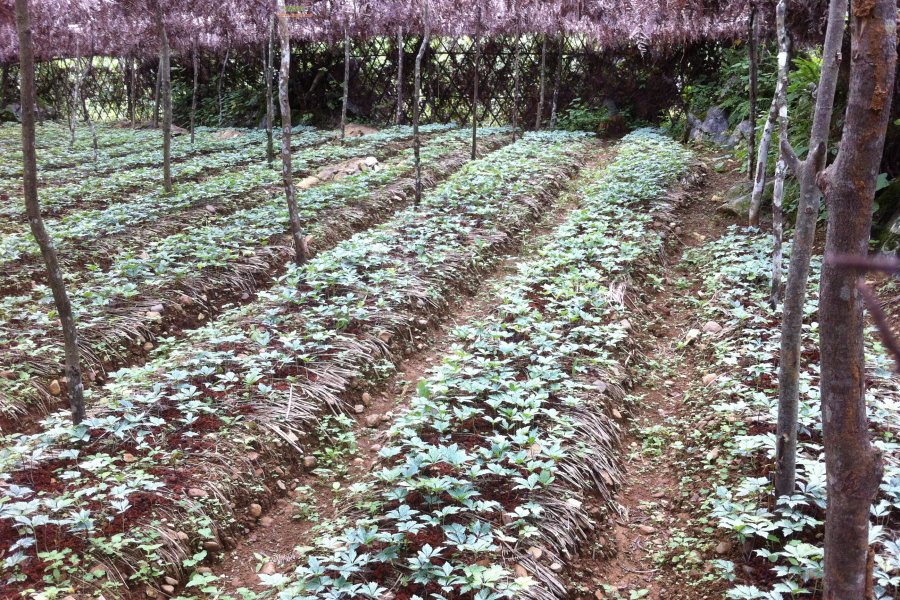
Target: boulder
{"points": [[737, 201], [740, 134], [176, 130], [714, 127], [226, 134], [357, 130]]}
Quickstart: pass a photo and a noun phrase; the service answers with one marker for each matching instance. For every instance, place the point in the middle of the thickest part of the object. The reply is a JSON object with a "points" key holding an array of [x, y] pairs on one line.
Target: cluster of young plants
{"points": [[207, 411], [784, 534], [487, 476], [114, 305], [125, 185]]}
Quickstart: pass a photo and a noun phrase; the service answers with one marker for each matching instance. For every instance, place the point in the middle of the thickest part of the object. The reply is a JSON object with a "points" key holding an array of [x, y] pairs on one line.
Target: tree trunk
{"points": [[475, 86], [515, 102], [556, 84], [416, 99], [287, 174], [781, 87], [762, 163], [87, 113], [346, 81], [852, 465], [540, 106], [133, 92], [196, 70], [159, 69], [73, 115], [4, 73], [754, 87], [219, 87], [33, 209], [801, 250], [270, 106], [399, 75], [166, 99]]}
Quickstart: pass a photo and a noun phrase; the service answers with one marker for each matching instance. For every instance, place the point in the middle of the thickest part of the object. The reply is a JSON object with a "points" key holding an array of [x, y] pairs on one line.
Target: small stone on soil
{"points": [[373, 420], [367, 399], [709, 378], [255, 511], [556, 568], [197, 493], [54, 388], [268, 569], [536, 552], [267, 521], [723, 548], [359, 409], [646, 529]]}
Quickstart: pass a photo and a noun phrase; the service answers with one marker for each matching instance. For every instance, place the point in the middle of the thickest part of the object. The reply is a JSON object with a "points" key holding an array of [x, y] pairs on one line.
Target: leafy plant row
{"points": [[92, 191], [87, 225], [488, 475], [173, 452], [185, 275], [783, 536]]}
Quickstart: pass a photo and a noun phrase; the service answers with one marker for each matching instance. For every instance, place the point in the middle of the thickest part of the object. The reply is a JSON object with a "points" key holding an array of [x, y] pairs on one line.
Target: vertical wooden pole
{"points": [[754, 85], [475, 85], [416, 101], [270, 106], [781, 87], [557, 82], [159, 70], [196, 70], [219, 88], [133, 65], [166, 100], [346, 81], [33, 210], [399, 75], [287, 175], [540, 106], [515, 103]]}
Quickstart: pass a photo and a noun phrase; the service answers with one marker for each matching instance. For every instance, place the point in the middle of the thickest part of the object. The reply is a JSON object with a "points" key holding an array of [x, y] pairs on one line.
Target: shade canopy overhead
{"points": [[64, 28]]}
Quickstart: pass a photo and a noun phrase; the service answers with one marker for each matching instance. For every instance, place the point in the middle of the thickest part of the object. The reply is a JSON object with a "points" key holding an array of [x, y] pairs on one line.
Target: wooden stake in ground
{"points": [[754, 87], [33, 209], [801, 250], [515, 100], [73, 116], [155, 123], [853, 467], [87, 114], [540, 106], [762, 162], [556, 84], [194, 90], [399, 75], [416, 100], [784, 62], [346, 81], [219, 86], [270, 105], [166, 99], [475, 85], [287, 175], [133, 92]]}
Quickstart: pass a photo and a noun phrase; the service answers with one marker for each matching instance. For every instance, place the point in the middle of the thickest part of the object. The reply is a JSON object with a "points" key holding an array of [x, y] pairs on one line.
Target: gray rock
{"points": [[713, 128], [740, 134], [737, 200]]}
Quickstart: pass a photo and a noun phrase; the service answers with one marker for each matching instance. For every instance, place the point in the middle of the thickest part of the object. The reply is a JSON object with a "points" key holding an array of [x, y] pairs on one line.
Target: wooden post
{"points": [[854, 468], [754, 86], [515, 103], [556, 84], [801, 250], [784, 61], [133, 92], [219, 87], [73, 115], [399, 75], [159, 70], [33, 209], [540, 106], [287, 175], [270, 106], [416, 101], [475, 86], [196, 70], [87, 115], [166, 99], [346, 81]]}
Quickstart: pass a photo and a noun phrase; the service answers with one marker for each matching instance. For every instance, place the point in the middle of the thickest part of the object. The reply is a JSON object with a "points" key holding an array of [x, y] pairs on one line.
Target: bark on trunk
{"points": [[346, 81], [556, 83], [270, 106], [33, 209], [801, 250], [540, 106], [762, 162], [287, 174], [4, 72], [155, 123], [166, 100], [133, 61], [475, 85], [196, 69], [754, 86], [73, 115], [416, 99], [219, 86], [784, 61], [399, 75], [87, 113], [515, 103], [852, 465]]}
